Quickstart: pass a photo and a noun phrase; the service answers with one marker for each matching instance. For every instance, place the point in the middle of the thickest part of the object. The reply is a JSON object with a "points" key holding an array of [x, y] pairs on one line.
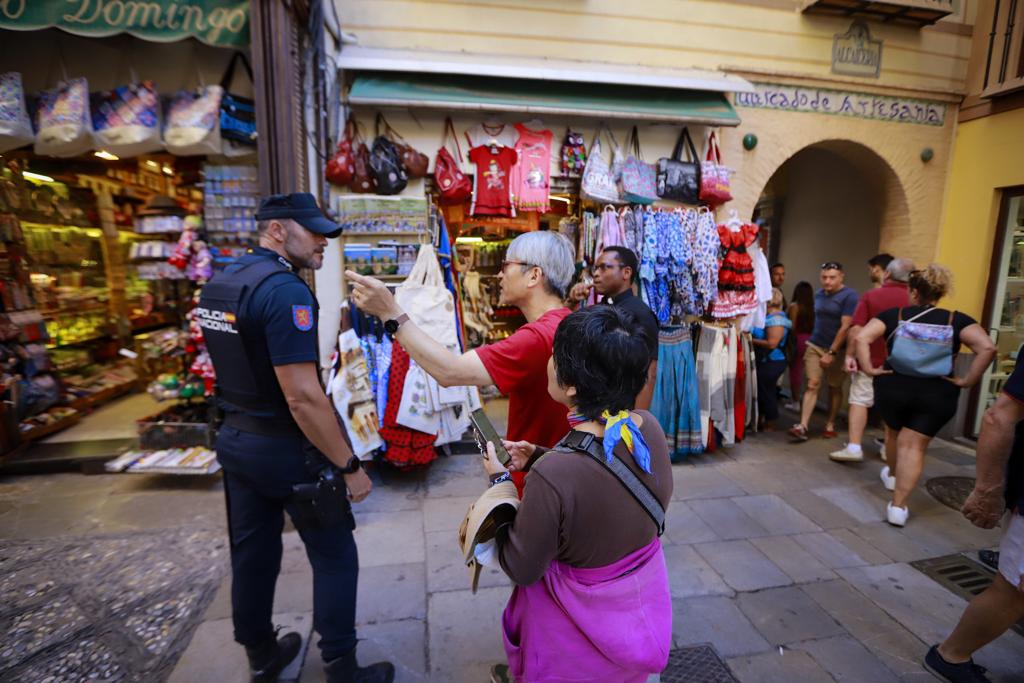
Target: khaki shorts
{"points": [[834, 376], [862, 390], [1011, 551]]}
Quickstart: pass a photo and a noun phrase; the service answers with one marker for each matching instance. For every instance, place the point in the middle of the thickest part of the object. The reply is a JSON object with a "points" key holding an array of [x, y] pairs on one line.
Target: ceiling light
{"points": [[37, 176], [107, 156], [152, 164], [167, 170]]}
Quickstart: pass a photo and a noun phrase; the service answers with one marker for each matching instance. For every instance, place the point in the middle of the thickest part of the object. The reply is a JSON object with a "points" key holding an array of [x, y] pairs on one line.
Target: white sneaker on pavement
{"points": [[889, 481], [846, 455], [895, 515], [880, 445]]}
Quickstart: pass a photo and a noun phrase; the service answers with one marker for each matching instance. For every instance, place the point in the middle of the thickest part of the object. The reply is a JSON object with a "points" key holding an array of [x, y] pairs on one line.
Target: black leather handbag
{"points": [[386, 163], [679, 180], [237, 113]]}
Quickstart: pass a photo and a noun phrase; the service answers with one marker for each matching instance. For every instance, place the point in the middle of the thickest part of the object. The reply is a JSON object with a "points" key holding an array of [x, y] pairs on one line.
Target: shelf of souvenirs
{"points": [[102, 384], [49, 422]]}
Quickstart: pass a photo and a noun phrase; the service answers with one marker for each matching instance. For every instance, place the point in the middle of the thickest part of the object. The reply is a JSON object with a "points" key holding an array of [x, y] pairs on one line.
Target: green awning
{"points": [[535, 96]]}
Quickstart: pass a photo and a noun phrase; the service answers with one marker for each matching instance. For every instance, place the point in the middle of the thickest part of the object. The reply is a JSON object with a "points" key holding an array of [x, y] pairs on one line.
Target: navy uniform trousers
{"points": [[259, 472]]}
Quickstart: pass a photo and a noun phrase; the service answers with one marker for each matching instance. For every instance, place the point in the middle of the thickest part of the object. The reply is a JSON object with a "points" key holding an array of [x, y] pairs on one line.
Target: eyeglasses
{"points": [[601, 267], [831, 265], [516, 263]]}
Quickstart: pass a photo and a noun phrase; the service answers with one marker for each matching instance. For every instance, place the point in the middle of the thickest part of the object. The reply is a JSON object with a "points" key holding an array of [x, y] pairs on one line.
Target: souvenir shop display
{"points": [[573, 154], [492, 195], [715, 178], [678, 179], [341, 167], [126, 120], [63, 125], [531, 176], [389, 174], [15, 124], [453, 186], [600, 177], [193, 122], [638, 181]]}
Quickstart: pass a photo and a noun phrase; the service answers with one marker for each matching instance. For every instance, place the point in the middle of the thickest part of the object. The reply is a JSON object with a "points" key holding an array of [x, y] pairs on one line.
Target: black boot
{"points": [[268, 660], [347, 670]]}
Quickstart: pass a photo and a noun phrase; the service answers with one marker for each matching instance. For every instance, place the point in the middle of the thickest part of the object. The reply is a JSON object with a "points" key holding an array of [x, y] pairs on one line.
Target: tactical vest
{"points": [[247, 387]]}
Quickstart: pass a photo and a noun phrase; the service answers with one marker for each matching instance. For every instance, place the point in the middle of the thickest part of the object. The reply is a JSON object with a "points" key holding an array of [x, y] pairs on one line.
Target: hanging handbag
{"points": [[193, 122], [714, 177], [15, 125], [453, 186], [341, 167], [63, 125], [574, 153], [363, 181], [598, 183], [386, 162], [126, 120], [638, 181], [428, 302], [677, 179], [414, 161], [237, 113]]}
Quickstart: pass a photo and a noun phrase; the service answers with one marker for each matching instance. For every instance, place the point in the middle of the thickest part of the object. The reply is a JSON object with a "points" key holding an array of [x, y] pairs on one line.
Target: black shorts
{"points": [[924, 405]]}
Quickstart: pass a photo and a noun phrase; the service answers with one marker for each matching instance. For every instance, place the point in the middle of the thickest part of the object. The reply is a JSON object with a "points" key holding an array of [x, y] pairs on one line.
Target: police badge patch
{"points": [[302, 316]]}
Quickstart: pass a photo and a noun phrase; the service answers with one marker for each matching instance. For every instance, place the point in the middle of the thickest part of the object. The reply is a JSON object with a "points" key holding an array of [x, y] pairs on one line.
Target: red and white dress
{"points": [[737, 289]]}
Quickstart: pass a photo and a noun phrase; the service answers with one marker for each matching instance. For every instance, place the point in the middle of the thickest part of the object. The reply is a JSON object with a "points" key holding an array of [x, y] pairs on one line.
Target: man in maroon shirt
{"points": [[535, 275], [892, 294]]}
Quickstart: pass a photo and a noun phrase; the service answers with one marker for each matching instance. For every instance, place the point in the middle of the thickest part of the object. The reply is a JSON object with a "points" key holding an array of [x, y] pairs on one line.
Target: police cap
{"points": [[302, 208]]}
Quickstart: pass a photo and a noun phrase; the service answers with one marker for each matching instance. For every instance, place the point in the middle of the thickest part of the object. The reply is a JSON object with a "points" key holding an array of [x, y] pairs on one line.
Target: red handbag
{"points": [[362, 179], [715, 183], [342, 166], [453, 186]]}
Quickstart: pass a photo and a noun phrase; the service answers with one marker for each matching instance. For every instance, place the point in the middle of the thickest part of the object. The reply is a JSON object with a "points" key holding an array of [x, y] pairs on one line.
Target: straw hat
{"points": [[491, 511]]}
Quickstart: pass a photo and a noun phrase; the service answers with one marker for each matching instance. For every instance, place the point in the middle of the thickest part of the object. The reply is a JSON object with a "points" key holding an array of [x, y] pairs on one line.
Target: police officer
{"points": [[281, 446]]}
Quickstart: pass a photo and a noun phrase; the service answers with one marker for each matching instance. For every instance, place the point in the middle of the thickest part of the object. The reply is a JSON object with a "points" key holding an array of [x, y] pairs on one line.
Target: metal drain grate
{"points": [[960, 575], [950, 491], [697, 664]]}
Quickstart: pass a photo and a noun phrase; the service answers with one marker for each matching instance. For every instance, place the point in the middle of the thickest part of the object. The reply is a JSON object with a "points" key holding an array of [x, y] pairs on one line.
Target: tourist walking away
{"points": [[281, 445], [615, 272], [891, 294], [834, 304], [534, 277], [591, 600], [777, 273], [999, 486], [801, 313], [769, 342], [916, 391]]}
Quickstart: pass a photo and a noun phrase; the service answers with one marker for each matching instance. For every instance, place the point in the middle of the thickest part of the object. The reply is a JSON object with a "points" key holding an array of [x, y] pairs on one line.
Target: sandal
{"points": [[798, 432], [830, 434]]}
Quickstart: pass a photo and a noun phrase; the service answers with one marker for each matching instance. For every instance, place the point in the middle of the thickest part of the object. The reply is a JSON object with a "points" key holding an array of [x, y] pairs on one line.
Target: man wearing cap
{"points": [[281, 445]]}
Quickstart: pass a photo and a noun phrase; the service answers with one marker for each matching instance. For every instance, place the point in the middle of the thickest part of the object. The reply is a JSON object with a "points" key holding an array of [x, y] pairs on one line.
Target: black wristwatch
{"points": [[391, 326], [354, 465]]}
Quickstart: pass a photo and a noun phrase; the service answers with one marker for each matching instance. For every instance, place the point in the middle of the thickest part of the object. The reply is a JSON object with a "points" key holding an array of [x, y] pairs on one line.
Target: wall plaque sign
{"points": [[856, 53]]}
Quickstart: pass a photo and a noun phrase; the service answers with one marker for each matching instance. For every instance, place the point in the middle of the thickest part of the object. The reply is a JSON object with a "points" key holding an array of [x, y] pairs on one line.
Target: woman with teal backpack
{"points": [[917, 390]]}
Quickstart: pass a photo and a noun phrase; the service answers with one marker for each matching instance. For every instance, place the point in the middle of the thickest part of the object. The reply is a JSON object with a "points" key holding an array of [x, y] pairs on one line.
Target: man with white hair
{"points": [[534, 277], [892, 294]]}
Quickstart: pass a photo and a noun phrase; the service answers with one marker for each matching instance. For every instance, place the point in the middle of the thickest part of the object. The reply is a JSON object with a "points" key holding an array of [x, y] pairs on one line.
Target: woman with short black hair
{"points": [[592, 599]]}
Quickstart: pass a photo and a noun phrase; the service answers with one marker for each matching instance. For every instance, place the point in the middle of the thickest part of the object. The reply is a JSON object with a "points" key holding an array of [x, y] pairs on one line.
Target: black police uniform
{"points": [[255, 315]]}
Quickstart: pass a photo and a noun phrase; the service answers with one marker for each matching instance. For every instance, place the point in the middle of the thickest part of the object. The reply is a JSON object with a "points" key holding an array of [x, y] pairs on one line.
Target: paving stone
{"points": [[787, 615], [689, 575], [692, 482], [446, 570], [220, 608], [854, 501], [727, 519], [445, 514], [829, 550], [391, 592], [776, 515], [293, 558], [390, 538], [866, 550], [952, 525], [683, 525], [791, 558], [893, 542], [818, 510], [773, 667], [715, 620], [403, 643], [847, 660], [742, 566], [458, 618]]}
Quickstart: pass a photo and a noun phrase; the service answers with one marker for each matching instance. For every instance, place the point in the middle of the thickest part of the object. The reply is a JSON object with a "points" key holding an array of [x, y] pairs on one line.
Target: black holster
{"points": [[323, 503]]}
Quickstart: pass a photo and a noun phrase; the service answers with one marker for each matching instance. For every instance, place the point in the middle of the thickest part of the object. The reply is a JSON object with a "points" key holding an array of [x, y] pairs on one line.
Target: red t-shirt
{"points": [[875, 301], [493, 195], [519, 367]]}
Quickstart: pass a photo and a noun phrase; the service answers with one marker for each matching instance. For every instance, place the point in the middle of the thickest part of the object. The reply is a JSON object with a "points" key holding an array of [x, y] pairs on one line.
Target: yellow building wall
{"points": [[770, 35], [988, 154]]}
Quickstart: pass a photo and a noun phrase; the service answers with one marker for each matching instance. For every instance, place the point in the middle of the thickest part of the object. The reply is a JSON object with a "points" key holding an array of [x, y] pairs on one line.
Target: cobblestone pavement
{"points": [[778, 558]]}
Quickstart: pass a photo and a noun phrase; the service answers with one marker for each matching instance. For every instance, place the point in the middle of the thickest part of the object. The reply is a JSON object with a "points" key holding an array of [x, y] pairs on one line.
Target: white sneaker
{"points": [[896, 516], [880, 445], [890, 482], [846, 455]]}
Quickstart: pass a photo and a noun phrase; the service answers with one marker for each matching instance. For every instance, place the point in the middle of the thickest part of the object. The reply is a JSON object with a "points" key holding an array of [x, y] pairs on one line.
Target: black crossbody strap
{"points": [[583, 442]]}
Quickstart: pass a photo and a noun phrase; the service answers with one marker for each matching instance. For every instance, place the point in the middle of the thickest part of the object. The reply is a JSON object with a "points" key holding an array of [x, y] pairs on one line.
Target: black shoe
{"points": [[347, 670], [267, 661], [968, 672], [989, 557]]}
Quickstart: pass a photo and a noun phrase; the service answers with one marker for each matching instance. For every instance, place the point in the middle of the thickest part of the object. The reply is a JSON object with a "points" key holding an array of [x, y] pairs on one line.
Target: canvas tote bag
{"points": [[426, 300]]}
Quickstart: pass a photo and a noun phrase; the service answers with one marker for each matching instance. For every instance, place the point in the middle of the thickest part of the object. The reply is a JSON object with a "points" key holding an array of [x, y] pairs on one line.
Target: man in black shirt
{"points": [[614, 274], [999, 486]]}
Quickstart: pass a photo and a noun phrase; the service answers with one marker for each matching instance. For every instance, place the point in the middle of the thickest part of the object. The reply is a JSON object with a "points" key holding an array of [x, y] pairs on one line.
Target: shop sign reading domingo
{"points": [[843, 103], [223, 23]]}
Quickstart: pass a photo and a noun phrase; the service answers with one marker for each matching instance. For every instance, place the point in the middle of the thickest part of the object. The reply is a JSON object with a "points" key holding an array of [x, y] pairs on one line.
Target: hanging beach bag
{"points": [[63, 126], [193, 122], [427, 301], [598, 183], [15, 125], [574, 153], [638, 181], [453, 186], [714, 177], [386, 162], [677, 179], [341, 167], [126, 120], [922, 349], [237, 113]]}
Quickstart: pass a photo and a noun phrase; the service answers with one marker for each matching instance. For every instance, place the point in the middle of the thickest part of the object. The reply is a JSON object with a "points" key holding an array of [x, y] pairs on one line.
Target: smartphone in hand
{"points": [[486, 430]]}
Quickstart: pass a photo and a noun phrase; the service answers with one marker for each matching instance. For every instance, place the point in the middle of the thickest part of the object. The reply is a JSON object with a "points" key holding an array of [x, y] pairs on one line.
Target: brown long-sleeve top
{"points": [[575, 511]]}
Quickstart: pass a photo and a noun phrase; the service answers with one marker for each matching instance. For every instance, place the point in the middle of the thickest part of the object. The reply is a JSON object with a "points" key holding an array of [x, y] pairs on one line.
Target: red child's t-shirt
{"points": [[518, 365], [493, 195]]}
